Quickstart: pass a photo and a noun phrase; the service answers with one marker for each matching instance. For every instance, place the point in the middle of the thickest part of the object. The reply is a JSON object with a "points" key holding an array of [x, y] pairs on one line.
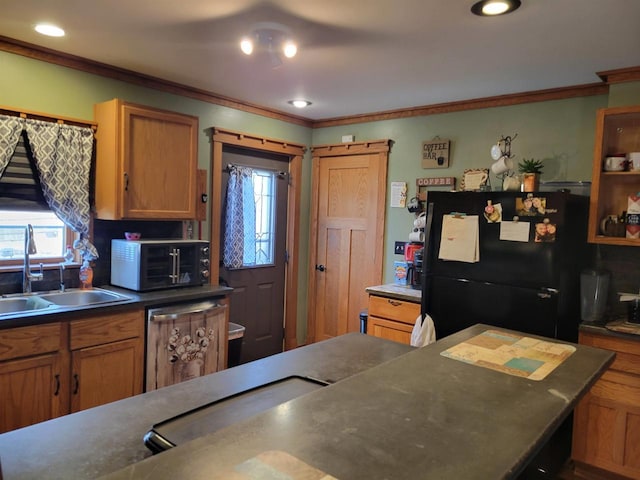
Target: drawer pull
{"points": [[394, 303]]}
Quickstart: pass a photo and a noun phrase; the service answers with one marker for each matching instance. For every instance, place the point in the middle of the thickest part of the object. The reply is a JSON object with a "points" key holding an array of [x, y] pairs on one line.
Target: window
{"points": [[50, 234], [264, 194]]}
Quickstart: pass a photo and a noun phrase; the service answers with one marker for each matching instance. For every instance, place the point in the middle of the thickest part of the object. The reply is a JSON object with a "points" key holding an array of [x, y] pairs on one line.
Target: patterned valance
{"points": [[62, 155]]}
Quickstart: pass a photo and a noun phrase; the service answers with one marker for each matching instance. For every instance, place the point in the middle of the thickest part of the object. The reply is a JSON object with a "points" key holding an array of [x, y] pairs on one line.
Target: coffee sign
{"points": [[435, 153]]}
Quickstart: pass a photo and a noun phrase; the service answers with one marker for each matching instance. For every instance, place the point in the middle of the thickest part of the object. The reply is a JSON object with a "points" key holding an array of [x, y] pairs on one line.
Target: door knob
{"points": [[320, 267]]}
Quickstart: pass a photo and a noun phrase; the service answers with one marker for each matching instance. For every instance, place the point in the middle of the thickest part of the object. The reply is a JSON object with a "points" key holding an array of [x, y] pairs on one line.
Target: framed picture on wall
{"points": [[474, 179]]}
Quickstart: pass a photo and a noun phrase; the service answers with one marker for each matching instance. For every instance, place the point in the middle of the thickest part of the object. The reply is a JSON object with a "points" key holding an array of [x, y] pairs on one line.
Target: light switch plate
{"points": [[348, 138]]}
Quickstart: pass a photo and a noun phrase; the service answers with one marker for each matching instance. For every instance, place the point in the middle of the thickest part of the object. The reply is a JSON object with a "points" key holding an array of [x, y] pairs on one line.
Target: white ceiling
{"points": [[355, 57]]}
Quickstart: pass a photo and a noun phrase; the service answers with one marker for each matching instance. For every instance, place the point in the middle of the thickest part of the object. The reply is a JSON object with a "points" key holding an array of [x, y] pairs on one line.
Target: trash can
{"points": [[364, 316], [236, 333]]}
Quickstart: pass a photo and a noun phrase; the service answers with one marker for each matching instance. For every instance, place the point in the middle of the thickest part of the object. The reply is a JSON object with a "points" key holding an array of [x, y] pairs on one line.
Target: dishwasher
{"points": [[185, 341]]}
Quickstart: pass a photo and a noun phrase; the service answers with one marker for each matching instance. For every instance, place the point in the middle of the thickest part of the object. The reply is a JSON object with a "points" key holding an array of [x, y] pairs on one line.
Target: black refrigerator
{"points": [[529, 286]]}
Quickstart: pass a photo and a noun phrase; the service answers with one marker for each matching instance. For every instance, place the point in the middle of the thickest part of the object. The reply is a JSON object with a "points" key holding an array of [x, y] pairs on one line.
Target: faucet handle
{"points": [[38, 276]]}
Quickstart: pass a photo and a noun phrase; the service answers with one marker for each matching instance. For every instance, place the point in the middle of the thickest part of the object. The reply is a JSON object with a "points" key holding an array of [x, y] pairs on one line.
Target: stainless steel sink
{"points": [[23, 304], [78, 298], [19, 303]]}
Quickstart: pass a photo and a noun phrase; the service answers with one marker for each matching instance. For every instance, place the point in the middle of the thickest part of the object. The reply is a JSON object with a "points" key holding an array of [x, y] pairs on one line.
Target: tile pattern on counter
{"points": [[517, 355]]}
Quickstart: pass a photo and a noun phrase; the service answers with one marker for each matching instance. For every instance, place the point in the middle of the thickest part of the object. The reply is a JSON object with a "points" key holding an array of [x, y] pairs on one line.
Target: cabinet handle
{"points": [[57, 391], [321, 268], [394, 303], [126, 181], [76, 383]]}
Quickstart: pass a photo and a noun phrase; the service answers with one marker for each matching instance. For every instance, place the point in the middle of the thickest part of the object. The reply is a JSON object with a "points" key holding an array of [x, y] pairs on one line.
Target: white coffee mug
{"points": [[502, 165], [614, 164], [634, 161]]}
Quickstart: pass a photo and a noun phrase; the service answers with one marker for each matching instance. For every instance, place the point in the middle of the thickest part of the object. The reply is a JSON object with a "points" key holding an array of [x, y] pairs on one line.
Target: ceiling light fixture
{"points": [[299, 103], [49, 30], [488, 8], [272, 38]]}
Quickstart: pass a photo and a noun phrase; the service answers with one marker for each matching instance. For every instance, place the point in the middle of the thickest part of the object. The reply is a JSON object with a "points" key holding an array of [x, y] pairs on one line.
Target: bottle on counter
{"points": [[68, 256], [86, 275]]}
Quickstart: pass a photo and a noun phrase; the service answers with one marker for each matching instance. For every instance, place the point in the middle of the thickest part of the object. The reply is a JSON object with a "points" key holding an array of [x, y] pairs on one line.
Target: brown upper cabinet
{"points": [[146, 162], [617, 133]]}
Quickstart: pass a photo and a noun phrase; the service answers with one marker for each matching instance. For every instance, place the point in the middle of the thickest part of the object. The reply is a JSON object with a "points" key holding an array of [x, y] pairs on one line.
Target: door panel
{"points": [[348, 244], [257, 301]]}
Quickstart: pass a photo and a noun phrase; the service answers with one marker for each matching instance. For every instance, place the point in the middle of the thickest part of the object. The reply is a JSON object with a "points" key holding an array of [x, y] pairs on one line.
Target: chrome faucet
{"points": [[29, 247], [62, 287]]}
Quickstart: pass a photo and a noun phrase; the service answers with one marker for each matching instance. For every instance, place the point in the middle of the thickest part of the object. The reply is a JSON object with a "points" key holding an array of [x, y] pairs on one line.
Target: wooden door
{"points": [[31, 391], [258, 298], [106, 373], [349, 190]]}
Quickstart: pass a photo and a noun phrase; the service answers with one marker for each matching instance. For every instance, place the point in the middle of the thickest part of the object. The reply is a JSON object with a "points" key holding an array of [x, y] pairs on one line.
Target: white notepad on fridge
{"points": [[459, 240]]}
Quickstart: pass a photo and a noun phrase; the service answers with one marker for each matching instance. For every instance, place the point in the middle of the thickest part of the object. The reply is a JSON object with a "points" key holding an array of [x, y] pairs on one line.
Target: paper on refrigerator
{"points": [[459, 240]]}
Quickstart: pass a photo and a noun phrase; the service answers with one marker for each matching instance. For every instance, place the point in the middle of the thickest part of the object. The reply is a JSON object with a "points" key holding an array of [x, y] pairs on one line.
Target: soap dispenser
{"points": [[86, 275]]}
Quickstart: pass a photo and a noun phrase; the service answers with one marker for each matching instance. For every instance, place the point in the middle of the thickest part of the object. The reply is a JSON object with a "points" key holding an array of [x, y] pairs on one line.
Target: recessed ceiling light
{"points": [[49, 30], [487, 8], [300, 103]]}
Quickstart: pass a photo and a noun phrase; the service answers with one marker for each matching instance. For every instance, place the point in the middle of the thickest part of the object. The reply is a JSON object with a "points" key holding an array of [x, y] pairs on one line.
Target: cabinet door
{"points": [[106, 373], [31, 391], [606, 430], [391, 330], [160, 162]]}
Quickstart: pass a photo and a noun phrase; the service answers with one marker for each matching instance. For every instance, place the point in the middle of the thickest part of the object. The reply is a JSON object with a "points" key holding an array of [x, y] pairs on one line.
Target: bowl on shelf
{"points": [[132, 235]]}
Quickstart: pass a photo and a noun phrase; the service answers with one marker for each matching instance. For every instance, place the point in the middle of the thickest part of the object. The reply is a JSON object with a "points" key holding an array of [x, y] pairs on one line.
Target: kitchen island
{"points": [[393, 412]]}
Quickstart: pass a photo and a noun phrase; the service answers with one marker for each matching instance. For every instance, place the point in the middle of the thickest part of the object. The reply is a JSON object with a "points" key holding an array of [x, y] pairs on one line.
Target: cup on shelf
{"points": [[634, 161], [615, 164]]}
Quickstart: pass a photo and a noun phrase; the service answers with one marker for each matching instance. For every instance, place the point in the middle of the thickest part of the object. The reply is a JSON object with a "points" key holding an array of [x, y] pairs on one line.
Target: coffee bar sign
{"points": [[435, 153]]}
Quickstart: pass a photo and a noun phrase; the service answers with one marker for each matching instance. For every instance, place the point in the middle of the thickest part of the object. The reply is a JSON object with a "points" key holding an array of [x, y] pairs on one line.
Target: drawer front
{"points": [[627, 351], [393, 309], [395, 331], [28, 341], [101, 329]]}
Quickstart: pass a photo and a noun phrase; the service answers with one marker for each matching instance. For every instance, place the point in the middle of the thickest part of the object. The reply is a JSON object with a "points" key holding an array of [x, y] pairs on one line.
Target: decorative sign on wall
{"points": [[435, 153], [436, 182]]}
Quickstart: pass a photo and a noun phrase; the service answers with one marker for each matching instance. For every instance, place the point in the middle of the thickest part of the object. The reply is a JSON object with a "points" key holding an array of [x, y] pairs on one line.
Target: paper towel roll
{"points": [[416, 237]]}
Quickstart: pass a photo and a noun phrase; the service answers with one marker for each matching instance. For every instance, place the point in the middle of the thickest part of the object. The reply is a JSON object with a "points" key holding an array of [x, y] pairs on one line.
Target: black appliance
{"points": [[526, 286]]}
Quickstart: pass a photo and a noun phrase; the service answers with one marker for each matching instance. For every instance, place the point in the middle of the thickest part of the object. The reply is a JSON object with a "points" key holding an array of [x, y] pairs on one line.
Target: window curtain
{"points": [[62, 154], [10, 130], [240, 220]]}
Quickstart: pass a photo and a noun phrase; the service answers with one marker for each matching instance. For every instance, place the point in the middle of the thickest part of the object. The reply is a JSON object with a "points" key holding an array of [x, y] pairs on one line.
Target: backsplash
{"points": [[103, 232]]}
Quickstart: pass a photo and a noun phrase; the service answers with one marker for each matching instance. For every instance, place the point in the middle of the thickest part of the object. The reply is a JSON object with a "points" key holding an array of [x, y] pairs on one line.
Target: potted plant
{"points": [[531, 170]]}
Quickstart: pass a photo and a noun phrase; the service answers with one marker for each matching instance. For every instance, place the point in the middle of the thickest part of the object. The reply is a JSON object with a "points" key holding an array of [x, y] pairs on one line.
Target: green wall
{"points": [[560, 132]]}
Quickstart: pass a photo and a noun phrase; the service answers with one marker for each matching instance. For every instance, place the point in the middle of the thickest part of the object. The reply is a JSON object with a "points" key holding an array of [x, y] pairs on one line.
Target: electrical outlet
{"points": [[398, 248]]}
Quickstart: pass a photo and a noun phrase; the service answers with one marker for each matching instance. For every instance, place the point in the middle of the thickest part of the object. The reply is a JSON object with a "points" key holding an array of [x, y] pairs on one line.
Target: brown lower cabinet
{"points": [[391, 318], [53, 369], [606, 430]]}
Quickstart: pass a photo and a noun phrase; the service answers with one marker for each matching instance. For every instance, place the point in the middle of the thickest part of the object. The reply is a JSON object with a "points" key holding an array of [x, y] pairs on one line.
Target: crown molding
{"points": [[79, 63]]}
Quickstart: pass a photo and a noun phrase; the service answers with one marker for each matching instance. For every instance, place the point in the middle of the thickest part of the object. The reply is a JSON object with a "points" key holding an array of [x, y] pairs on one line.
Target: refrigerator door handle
{"points": [[547, 293]]}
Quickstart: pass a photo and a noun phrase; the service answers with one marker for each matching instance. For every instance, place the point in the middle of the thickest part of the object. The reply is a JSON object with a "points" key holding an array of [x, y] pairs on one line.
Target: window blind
{"points": [[19, 185]]}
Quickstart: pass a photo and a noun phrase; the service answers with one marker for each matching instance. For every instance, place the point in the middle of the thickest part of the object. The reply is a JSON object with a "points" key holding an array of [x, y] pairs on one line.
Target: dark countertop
{"points": [[399, 292], [136, 299], [601, 329], [94, 442], [420, 415]]}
